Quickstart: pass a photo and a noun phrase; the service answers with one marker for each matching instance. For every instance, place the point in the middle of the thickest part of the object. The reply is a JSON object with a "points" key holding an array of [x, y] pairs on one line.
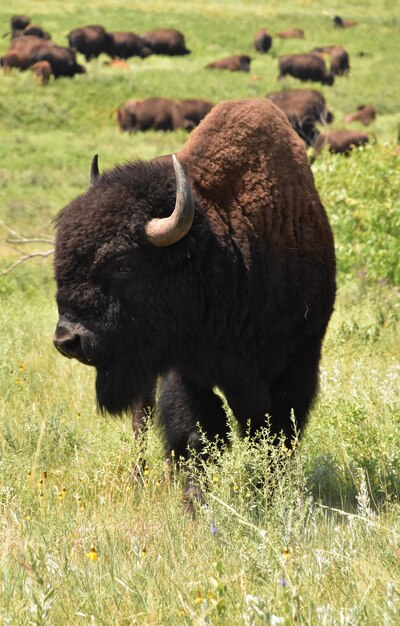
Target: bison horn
{"points": [[166, 231], [94, 169]]}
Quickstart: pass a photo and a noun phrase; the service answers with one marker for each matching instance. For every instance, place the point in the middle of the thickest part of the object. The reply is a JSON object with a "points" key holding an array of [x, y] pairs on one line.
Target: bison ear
{"points": [[94, 169]]}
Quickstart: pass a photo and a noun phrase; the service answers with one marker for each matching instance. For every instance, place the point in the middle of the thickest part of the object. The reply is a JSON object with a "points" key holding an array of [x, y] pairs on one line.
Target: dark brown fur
{"points": [[340, 141], [234, 63], [89, 40], [241, 302], [161, 114], [303, 108], [262, 40], [123, 45], [305, 67], [165, 41]]}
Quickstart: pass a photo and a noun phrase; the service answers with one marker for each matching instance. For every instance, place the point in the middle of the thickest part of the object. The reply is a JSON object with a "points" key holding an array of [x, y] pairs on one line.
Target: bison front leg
{"points": [[186, 412]]}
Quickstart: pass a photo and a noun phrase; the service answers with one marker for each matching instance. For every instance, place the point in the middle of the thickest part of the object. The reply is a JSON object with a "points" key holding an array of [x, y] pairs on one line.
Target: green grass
{"points": [[308, 538]]}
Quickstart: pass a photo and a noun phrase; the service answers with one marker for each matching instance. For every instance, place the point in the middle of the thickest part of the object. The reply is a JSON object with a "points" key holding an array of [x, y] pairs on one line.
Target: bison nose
{"points": [[68, 341]]}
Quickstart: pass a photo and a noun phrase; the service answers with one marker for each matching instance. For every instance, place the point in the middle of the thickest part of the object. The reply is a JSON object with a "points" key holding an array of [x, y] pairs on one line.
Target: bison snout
{"points": [[69, 341]]}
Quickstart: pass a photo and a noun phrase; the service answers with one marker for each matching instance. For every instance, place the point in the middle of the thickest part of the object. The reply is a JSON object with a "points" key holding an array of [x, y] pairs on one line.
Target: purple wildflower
{"points": [[213, 529]]}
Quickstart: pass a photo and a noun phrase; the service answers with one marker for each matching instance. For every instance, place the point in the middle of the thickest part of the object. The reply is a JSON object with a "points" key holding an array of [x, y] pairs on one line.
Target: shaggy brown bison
{"points": [[161, 114], [216, 268], [42, 71], [124, 45], [340, 141], [89, 40], [303, 108], [262, 40], [165, 41], [305, 67], [62, 60], [291, 33], [35, 31], [234, 63], [365, 114], [340, 63]]}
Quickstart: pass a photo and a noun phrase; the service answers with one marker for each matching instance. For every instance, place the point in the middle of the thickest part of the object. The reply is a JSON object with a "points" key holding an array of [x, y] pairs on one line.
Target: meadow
{"points": [[310, 536]]}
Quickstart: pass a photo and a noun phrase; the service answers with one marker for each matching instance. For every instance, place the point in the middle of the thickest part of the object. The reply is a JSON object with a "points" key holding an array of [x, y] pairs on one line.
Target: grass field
{"points": [[317, 540]]}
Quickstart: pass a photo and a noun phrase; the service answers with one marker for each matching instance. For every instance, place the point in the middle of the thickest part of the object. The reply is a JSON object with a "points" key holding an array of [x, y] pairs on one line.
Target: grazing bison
{"points": [[123, 45], [340, 64], [234, 63], [262, 40], [291, 33], [365, 114], [340, 141], [42, 70], [303, 108], [23, 51], [213, 269], [305, 67], [62, 60], [165, 41], [89, 40], [161, 114]]}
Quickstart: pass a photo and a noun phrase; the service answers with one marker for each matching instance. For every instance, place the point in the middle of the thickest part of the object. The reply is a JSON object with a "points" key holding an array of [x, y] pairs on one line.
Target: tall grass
{"points": [[308, 537]]}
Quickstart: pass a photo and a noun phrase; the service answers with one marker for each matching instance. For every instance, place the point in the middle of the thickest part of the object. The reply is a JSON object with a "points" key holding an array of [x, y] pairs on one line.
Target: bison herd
{"points": [[32, 47]]}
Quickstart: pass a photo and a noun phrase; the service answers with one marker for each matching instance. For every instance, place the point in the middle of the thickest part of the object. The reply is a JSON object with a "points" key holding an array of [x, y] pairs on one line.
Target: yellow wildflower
{"points": [[199, 598], [143, 553], [92, 554], [62, 494]]}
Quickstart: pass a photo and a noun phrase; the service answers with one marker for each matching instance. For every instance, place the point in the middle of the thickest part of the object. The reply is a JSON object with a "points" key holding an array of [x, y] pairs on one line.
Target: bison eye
{"points": [[123, 269]]}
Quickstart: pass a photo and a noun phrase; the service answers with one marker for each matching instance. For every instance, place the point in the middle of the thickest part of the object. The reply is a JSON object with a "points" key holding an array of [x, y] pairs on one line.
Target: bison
{"points": [[262, 40], [165, 41], [62, 60], [215, 268], [42, 71], [340, 141], [161, 114], [303, 108], [305, 67], [90, 40], [365, 114], [234, 63], [23, 50], [124, 45], [35, 31], [19, 22], [291, 33], [340, 64], [339, 22]]}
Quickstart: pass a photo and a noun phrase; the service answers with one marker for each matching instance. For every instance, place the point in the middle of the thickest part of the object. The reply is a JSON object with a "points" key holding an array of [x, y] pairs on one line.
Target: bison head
{"points": [[127, 285]]}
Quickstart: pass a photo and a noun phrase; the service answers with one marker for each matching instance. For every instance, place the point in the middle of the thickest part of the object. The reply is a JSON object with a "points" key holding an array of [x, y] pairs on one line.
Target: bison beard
{"points": [[233, 287]]}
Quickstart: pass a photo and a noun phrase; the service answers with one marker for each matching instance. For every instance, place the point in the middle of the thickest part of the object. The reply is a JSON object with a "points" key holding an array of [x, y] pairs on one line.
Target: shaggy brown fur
{"points": [[234, 63], [89, 40], [340, 141], [305, 67], [365, 114], [339, 57], [123, 45], [262, 40], [165, 41], [291, 33], [241, 302], [161, 114], [303, 108], [42, 70]]}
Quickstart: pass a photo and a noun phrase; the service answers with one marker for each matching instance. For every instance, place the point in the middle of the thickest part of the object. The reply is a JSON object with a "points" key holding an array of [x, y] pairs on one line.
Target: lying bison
{"points": [[26, 51], [89, 40], [304, 108], [165, 41], [216, 268], [161, 114], [262, 40], [234, 63], [305, 67], [291, 33], [19, 22], [365, 114], [123, 45], [340, 141], [339, 22]]}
